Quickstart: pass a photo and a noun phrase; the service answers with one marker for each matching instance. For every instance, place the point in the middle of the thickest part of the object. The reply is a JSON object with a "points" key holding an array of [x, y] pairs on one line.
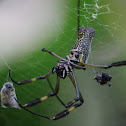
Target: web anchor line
{"points": [[78, 16], [5, 63]]}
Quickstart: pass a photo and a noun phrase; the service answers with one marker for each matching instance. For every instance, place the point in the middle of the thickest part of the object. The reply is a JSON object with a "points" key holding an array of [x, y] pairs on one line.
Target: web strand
{"points": [[78, 15], [5, 63]]}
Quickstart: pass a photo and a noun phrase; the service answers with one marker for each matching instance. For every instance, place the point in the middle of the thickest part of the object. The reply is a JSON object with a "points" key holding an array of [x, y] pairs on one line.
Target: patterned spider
{"points": [[77, 59]]}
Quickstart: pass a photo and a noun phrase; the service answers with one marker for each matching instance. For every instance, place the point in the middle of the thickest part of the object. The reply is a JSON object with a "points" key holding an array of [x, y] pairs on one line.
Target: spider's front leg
{"points": [[54, 93], [115, 64], [53, 54], [66, 112], [63, 69], [79, 98], [30, 80], [39, 100], [103, 78]]}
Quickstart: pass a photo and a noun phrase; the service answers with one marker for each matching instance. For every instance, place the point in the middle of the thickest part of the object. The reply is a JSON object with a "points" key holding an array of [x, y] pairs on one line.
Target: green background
{"points": [[103, 105]]}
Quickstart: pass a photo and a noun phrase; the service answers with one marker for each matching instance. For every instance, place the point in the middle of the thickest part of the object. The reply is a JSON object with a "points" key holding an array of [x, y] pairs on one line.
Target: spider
{"points": [[77, 59]]}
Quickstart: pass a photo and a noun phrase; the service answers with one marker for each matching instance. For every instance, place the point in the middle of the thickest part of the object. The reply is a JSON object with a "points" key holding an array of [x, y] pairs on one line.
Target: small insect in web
{"points": [[103, 78], [8, 96], [77, 59]]}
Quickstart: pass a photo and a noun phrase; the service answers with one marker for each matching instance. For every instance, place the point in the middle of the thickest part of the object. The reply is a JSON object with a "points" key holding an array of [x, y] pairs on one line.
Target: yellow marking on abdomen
{"points": [[81, 59]]}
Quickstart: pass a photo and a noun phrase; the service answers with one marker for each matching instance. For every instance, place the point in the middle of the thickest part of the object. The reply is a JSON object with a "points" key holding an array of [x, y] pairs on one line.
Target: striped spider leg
{"points": [[77, 59], [66, 111], [62, 70]]}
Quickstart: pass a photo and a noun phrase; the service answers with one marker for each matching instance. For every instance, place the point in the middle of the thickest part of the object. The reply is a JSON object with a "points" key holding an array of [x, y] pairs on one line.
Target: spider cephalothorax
{"points": [[62, 69]]}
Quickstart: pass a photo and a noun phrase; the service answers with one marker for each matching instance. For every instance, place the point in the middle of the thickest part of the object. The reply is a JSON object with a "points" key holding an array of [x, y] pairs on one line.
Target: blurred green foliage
{"points": [[103, 105]]}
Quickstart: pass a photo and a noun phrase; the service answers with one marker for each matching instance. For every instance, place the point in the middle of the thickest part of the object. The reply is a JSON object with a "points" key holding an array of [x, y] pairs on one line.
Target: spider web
{"points": [[60, 34]]}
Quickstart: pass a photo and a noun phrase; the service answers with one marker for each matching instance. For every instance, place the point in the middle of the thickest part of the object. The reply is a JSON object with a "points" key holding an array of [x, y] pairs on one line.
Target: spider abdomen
{"points": [[83, 43]]}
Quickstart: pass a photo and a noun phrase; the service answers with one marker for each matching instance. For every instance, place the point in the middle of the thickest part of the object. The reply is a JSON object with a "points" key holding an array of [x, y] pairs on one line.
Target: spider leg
{"points": [[73, 82], [31, 111], [54, 93], [69, 104], [65, 112], [38, 100], [58, 116], [56, 90], [79, 67], [115, 64], [30, 80], [67, 69], [44, 50]]}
